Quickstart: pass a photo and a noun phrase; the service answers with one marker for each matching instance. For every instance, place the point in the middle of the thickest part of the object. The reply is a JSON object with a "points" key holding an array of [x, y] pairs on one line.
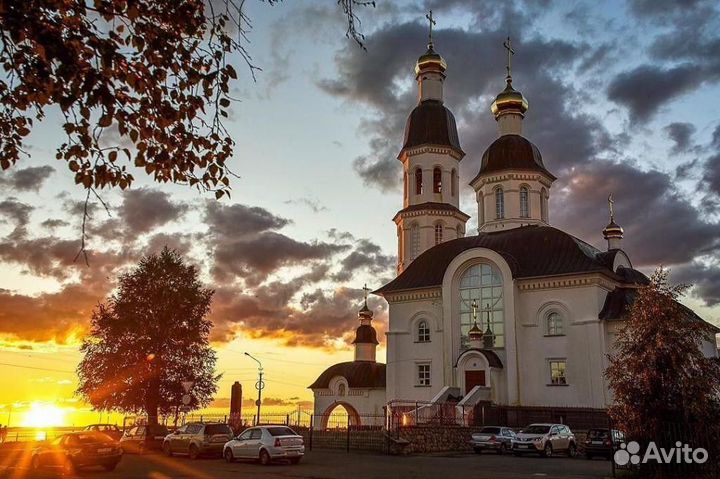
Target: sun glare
{"points": [[43, 415]]}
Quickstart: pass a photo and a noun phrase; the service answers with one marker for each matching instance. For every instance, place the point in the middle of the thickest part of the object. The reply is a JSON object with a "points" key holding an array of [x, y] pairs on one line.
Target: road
{"points": [[335, 464]]}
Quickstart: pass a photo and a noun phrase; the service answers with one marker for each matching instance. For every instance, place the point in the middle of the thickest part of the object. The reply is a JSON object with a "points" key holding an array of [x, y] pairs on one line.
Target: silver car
{"points": [[498, 439], [266, 444], [545, 439]]}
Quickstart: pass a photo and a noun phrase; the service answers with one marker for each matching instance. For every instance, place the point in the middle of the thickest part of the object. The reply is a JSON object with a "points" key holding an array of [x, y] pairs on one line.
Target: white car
{"points": [[545, 439], [266, 444]]}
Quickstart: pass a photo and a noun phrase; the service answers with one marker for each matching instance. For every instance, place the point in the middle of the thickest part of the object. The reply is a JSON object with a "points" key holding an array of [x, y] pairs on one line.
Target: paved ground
{"points": [[331, 464]]}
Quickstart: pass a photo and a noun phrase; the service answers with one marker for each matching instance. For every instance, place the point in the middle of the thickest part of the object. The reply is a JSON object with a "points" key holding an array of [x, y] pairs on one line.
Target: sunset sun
{"points": [[43, 415]]}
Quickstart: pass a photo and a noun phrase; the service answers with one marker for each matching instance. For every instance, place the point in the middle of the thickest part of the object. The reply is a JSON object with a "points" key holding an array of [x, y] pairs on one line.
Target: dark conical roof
{"points": [[431, 123], [512, 152]]}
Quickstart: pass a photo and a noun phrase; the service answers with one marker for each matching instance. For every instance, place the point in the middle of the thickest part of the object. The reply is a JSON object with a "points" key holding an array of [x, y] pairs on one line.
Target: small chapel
{"points": [[519, 314]]}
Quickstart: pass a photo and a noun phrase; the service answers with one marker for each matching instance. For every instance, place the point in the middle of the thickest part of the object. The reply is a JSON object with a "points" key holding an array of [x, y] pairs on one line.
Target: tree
{"points": [[138, 82], [149, 337], [658, 372]]}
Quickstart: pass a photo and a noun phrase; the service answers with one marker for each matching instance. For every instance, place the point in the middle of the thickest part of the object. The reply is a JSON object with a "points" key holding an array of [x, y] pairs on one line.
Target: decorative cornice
{"points": [[414, 295], [567, 281], [518, 175], [442, 150]]}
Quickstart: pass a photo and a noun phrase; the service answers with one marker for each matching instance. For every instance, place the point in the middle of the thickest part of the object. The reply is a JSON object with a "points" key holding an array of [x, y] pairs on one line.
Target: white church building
{"points": [[521, 314]]}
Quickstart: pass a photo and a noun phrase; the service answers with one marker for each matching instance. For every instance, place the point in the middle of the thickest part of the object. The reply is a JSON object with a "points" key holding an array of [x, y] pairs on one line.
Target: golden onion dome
{"points": [[613, 230], [509, 100], [430, 60], [475, 332]]}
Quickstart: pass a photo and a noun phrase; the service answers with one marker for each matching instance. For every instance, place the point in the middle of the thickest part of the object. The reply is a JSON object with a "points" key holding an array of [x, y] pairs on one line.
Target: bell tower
{"points": [[430, 156]]}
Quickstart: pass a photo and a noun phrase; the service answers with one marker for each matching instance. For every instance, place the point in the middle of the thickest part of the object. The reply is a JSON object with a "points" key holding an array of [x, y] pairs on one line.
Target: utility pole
{"points": [[259, 385]]}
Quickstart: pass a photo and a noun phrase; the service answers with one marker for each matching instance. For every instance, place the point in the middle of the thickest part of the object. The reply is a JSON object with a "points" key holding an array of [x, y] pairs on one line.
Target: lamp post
{"points": [[259, 385]]}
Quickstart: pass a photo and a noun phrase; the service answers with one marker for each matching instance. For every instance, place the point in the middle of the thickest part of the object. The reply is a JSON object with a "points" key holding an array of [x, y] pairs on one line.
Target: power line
{"points": [[37, 368]]}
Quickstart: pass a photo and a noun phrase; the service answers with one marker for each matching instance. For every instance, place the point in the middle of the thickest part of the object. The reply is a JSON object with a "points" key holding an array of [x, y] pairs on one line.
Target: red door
{"points": [[474, 378]]}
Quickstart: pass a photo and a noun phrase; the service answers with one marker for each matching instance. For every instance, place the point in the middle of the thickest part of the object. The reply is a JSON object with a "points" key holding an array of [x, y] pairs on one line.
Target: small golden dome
{"points": [[509, 100], [430, 60], [613, 230], [475, 332]]}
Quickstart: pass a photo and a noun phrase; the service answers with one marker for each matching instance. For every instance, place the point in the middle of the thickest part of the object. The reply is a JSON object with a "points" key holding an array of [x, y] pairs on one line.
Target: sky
{"points": [[623, 99]]}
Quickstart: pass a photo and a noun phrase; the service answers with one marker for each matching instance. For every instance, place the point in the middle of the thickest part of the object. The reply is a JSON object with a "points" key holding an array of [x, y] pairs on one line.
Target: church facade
{"points": [[520, 314]]}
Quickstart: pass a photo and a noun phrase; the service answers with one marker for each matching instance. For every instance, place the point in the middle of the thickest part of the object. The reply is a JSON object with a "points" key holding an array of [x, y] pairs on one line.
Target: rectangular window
{"points": [[423, 374], [557, 372]]}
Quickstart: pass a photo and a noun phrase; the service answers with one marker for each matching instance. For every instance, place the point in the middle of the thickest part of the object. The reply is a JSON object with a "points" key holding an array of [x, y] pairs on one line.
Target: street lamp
{"points": [[259, 385]]}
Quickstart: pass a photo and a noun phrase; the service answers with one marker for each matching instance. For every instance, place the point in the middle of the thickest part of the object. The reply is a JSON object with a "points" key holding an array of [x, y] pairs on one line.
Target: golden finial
{"points": [[474, 310], [611, 202], [431, 20], [510, 52]]}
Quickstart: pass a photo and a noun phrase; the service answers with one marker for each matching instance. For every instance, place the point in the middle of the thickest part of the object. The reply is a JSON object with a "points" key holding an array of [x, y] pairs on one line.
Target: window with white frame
{"points": [[481, 285], [524, 202], [557, 372], [554, 324], [423, 375], [414, 241], [423, 332], [499, 203], [544, 205], [438, 233]]}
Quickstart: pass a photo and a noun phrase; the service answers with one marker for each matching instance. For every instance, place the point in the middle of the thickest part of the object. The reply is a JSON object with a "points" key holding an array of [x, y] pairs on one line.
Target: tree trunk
{"points": [[152, 400]]}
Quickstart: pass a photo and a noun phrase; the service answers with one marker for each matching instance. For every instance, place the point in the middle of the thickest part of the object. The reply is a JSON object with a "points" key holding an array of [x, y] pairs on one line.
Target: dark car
{"points": [[109, 429], [144, 438], [602, 442], [78, 449], [495, 438], [197, 438]]}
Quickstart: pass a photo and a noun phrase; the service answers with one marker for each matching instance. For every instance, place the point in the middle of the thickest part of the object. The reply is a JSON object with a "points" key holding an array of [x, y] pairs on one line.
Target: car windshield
{"points": [[212, 429], [281, 431], [490, 430], [536, 429], [93, 438], [598, 433]]}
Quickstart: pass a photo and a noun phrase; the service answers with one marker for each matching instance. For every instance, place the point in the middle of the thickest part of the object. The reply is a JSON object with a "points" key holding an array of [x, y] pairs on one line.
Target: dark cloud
{"points": [[705, 279], [145, 209], [367, 256], [311, 203], [16, 211], [28, 179], [646, 88], [237, 221], [54, 223], [681, 134]]}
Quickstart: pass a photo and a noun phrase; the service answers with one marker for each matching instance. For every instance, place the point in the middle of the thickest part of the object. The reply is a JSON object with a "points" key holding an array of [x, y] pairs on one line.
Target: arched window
{"points": [[453, 183], [459, 231], [437, 180], [438, 233], [481, 209], [341, 389], [524, 202], [423, 332], [414, 241], [418, 181], [554, 324], [544, 205], [482, 284], [499, 203], [406, 179]]}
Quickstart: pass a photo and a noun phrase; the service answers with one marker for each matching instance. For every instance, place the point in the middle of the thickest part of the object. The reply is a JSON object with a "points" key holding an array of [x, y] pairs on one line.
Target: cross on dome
{"points": [[510, 52], [432, 22]]}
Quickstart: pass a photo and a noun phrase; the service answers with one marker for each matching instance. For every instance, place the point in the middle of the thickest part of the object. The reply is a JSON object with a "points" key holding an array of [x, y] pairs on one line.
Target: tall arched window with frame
{"points": [[423, 332], [438, 233], [544, 205], [499, 203], [453, 183], [524, 202], [418, 181], [554, 324], [414, 241], [481, 285], [437, 180]]}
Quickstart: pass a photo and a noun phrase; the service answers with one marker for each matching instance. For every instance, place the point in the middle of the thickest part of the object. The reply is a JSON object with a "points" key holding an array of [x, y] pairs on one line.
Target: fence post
{"points": [[312, 426], [287, 419], [348, 434]]}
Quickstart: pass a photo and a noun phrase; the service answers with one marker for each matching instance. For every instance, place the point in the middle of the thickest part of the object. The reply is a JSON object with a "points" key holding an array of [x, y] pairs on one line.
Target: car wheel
{"points": [[572, 450], [295, 460], [193, 452], [547, 451], [477, 450], [141, 448], [68, 467], [167, 450], [35, 464], [110, 467], [264, 458], [229, 455], [502, 449]]}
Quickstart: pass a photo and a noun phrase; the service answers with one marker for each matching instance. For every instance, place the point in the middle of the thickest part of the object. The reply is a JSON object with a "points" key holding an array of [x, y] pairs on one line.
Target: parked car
{"points": [[545, 439], [602, 442], [108, 429], [77, 449], [143, 438], [266, 444], [496, 438], [197, 438]]}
